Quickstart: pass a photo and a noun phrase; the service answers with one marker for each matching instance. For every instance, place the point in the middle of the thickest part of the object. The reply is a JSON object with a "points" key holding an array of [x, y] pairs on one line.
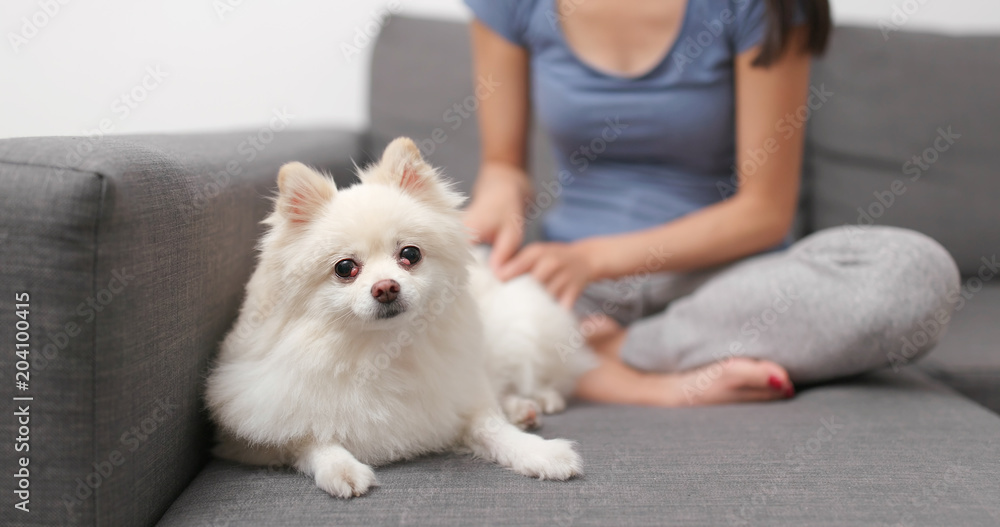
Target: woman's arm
{"points": [[760, 214], [496, 213], [756, 218]]}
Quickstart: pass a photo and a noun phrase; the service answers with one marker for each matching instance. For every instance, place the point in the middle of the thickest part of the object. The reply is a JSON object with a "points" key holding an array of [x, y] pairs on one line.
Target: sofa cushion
{"points": [[135, 251], [896, 97], [973, 337], [968, 356], [885, 449]]}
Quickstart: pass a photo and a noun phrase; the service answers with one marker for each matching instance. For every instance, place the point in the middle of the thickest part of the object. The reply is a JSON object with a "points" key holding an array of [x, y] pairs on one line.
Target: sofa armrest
{"points": [[134, 251]]}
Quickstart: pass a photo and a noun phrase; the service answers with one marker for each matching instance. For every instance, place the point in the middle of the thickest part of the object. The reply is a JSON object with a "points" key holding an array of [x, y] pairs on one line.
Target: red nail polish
{"points": [[790, 392], [775, 382]]}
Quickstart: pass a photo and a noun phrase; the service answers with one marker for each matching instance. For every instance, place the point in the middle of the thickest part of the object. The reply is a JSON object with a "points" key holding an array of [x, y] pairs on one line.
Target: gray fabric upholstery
{"points": [[973, 338], [162, 242], [891, 101], [968, 356], [47, 248], [881, 450], [415, 90]]}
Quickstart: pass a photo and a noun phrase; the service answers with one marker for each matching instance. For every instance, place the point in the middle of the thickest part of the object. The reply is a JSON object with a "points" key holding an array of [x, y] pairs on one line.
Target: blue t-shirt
{"points": [[634, 152]]}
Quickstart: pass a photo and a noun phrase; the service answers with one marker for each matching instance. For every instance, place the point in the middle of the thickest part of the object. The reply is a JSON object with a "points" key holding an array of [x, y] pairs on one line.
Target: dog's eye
{"points": [[409, 255], [346, 268]]}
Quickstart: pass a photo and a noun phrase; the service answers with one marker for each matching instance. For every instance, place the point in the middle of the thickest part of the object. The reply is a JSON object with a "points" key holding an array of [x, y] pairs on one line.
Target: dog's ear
{"points": [[302, 192], [402, 166]]}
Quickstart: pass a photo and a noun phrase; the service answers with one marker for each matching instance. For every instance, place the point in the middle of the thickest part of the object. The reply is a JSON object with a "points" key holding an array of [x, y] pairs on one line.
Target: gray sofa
{"points": [[134, 251]]}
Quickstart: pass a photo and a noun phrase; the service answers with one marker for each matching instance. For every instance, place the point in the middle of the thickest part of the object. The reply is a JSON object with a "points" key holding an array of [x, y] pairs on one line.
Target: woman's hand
{"points": [[496, 213], [563, 268]]}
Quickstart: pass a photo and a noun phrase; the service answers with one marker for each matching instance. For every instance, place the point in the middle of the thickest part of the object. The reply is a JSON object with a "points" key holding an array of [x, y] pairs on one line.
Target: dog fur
{"points": [[318, 374]]}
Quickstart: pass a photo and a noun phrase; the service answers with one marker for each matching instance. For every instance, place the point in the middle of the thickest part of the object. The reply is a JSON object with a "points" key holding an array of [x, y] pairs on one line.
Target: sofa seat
{"points": [[882, 449]]}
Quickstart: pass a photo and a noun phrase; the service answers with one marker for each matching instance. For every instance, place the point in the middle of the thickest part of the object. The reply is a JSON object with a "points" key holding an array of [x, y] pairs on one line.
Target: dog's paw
{"points": [[549, 459], [550, 401], [522, 413], [346, 479]]}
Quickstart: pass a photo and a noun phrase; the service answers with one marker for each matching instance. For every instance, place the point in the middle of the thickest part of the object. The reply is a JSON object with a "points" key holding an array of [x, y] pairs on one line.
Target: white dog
{"points": [[535, 350], [360, 341]]}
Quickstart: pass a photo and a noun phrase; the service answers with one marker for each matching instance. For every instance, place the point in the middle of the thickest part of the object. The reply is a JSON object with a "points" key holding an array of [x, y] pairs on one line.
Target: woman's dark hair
{"points": [[781, 18]]}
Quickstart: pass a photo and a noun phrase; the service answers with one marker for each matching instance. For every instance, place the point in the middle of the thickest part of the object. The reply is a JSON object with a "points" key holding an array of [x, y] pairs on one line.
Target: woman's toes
{"points": [[736, 380], [757, 373], [778, 380]]}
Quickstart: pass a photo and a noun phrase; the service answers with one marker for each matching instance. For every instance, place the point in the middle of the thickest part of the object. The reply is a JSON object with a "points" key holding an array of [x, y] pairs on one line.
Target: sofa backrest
{"points": [[422, 86], [134, 252], [421, 69], [909, 137], [891, 100]]}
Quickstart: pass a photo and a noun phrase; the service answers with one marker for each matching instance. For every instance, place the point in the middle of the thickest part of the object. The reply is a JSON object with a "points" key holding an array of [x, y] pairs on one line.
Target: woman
{"points": [[691, 293]]}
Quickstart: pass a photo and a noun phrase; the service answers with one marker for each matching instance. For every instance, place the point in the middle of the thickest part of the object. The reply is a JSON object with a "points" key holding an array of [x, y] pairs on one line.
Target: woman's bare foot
{"points": [[730, 381], [736, 380]]}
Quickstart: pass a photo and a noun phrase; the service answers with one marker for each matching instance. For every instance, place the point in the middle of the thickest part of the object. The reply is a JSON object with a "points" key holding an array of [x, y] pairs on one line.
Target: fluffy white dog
{"points": [[361, 339], [535, 348]]}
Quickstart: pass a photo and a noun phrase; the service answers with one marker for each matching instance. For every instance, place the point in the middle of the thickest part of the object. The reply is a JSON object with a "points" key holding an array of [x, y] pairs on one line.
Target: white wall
{"points": [[956, 17], [223, 64]]}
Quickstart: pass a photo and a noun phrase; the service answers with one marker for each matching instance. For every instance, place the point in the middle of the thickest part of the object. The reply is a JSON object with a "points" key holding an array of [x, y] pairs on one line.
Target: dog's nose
{"points": [[385, 291]]}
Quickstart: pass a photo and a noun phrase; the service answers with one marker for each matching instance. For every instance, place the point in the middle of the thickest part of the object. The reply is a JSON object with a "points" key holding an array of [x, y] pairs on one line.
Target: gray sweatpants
{"points": [[839, 302]]}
